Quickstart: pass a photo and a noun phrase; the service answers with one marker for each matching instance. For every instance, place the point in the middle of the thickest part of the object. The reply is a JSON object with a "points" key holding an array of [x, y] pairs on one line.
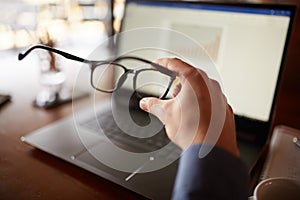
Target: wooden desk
{"points": [[28, 173]]}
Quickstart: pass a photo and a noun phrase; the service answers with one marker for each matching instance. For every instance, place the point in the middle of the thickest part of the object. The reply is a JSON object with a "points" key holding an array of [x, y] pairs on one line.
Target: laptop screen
{"points": [[246, 43]]}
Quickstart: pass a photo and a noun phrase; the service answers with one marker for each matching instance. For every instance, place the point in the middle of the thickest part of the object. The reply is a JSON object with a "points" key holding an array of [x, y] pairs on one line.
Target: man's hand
{"points": [[187, 116]]}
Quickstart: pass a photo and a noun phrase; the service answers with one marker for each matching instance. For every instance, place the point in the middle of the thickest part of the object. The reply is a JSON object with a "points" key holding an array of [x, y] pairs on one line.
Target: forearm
{"points": [[219, 175]]}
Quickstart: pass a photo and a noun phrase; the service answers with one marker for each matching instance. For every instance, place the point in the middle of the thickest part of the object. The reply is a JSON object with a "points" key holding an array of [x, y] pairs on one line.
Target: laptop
{"points": [[245, 43]]}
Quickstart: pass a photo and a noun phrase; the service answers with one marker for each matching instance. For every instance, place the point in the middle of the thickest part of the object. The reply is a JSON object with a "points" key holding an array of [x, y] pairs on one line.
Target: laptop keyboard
{"points": [[125, 141]]}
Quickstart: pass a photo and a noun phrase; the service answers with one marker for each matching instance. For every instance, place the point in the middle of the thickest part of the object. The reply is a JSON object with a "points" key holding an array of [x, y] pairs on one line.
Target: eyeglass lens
{"points": [[151, 83], [145, 82], [105, 77]]}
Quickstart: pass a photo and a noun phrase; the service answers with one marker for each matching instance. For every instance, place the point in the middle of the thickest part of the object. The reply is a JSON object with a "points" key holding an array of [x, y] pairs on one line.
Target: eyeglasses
{"points": [[149, 79]]}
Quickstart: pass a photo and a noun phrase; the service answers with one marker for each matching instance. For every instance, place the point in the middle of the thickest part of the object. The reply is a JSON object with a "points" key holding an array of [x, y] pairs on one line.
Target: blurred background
{"points": [[75, 26], [78, 26], [26, 22]]}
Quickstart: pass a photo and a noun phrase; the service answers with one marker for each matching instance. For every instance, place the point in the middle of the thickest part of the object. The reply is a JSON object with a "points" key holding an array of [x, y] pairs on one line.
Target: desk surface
{"points": [[28, 173]]}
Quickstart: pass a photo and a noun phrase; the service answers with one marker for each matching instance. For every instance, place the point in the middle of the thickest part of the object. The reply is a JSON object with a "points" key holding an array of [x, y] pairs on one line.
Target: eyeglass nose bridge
{"points": [[124, 76]]}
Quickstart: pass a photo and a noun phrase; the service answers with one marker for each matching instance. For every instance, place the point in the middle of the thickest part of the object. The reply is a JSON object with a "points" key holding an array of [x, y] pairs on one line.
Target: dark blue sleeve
{"points": [[219, 175]]}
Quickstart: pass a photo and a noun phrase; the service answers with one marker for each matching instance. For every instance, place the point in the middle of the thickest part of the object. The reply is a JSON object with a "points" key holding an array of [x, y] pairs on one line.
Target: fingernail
{"points": [[143, 104]]}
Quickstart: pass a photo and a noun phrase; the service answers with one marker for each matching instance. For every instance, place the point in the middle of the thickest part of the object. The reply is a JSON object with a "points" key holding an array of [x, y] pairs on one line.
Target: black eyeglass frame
{"points": [[94, 64]]}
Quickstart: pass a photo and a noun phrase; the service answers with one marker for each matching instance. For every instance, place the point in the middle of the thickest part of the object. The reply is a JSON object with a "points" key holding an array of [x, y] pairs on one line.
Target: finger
{"points": [[174, 64], [154, 106], [178, 66], [184, 71]]}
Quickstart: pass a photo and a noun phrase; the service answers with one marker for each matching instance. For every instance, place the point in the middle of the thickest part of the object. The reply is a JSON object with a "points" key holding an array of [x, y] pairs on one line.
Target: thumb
{"points": [[154, 106]]}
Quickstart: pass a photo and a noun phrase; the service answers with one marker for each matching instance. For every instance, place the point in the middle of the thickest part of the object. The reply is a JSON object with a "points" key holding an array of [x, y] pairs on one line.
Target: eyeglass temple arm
{"points": [[157, 66], [21, 56], [164, 70]]}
